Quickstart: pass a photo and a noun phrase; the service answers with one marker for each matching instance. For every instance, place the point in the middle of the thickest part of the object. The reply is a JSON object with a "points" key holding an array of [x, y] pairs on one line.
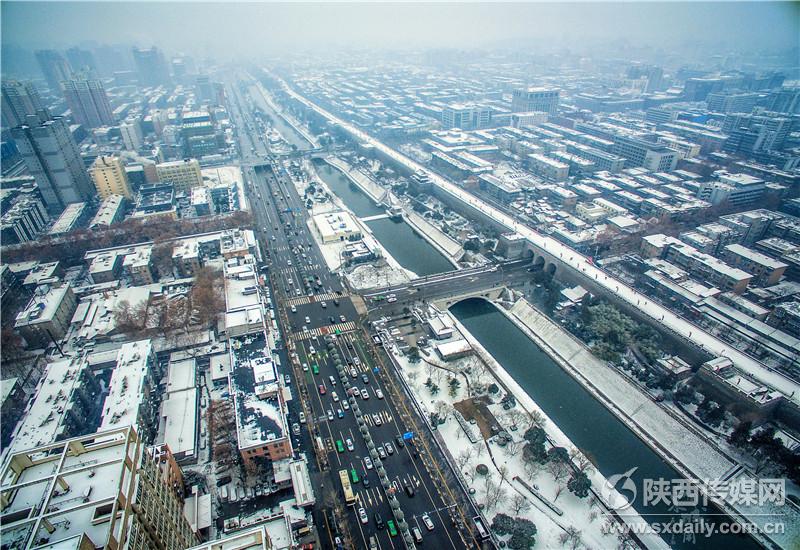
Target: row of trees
{"points": [[71, 247]]}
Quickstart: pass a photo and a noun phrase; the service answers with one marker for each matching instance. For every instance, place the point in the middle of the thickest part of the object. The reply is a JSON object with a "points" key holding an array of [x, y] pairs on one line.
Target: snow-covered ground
{"points": [[371, 276], [386, 271], [507, 462]]}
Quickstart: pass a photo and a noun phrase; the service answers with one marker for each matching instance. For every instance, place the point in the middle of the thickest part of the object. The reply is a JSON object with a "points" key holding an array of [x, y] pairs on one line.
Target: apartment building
{"points": [[102, 490], [182, 174], [110, 178], [766, 271]]}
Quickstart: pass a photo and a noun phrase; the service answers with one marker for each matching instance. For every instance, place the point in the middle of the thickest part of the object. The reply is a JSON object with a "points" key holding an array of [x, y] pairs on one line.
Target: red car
{"points": [[322, 389]]}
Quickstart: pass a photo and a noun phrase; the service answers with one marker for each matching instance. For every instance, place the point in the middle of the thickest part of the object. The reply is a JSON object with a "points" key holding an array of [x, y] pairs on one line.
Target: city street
{"points": [[313, 304]]}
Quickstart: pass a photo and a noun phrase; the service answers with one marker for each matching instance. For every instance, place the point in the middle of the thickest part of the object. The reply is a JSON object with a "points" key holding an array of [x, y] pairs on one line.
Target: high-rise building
{"points": [[535, 99], [183, 174], [20, 99], [54, 68], [82, 61], [110, 178], [53, 159], [204, 88], [104, 490], [88, 102], [653, 74], [131, 134], [151, 66]]}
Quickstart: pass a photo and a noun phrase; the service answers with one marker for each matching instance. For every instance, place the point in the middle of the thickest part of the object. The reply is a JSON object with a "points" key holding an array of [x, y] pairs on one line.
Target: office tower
{"points": [[110, 178], [82, 61], [131, 134], [653, 74], [54, 68], [183, 174], [20, 99], [88, 102], [204, 88], [640, 152], [466, 116], [731, 102], [151, 66], [178, 68], [54, 161], [751, 133], [103, 490], [535, 99], [785, 100]]}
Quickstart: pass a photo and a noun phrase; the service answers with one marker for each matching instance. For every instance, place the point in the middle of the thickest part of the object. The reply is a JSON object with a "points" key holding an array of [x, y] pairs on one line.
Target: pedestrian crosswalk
{"points": [[322, 331], [302, 300]]}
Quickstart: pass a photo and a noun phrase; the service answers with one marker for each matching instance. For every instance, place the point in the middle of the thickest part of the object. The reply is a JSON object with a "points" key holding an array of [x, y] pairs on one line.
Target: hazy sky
{"points": [[239, 29]]}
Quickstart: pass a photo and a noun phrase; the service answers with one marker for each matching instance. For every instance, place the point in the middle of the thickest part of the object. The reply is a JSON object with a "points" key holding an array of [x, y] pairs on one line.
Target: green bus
{"points": [[392, 528], [353, 475], [339, 445]]}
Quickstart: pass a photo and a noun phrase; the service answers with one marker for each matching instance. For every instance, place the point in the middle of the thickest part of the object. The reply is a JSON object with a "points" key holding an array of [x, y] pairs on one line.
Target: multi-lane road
{"points": [[314, 304]]}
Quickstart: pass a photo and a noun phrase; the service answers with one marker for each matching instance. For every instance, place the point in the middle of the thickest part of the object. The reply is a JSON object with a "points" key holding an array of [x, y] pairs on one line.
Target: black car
{"points": [[409, 490], [332, 319], [400, 442], [379, 521], [365, 480], [365, 378]]}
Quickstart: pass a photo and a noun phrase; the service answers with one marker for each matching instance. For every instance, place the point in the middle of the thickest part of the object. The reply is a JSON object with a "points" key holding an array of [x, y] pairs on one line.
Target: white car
{"points": [[426, 519], [368, 463], [305, 367], [364, 394], [376, 418], [330, 415], [334, 396], [362, 515], [302, 417], [308, 319], [349, 443], [294, 309], [378, 394], [353, 372], [345, 405]]}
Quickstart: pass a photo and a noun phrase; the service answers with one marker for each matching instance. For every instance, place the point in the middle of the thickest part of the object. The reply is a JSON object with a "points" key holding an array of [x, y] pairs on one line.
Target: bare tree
{"points": [[570, 538], [514, 417], [503, 471], [520, 504], [464, 457], [206, 298], [442, 409], [130, 319], [533, 419], [514, 447]]}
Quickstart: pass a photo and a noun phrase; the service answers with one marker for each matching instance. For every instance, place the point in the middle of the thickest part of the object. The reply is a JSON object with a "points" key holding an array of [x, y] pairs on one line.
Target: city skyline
{"points": [[254, 29]]}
